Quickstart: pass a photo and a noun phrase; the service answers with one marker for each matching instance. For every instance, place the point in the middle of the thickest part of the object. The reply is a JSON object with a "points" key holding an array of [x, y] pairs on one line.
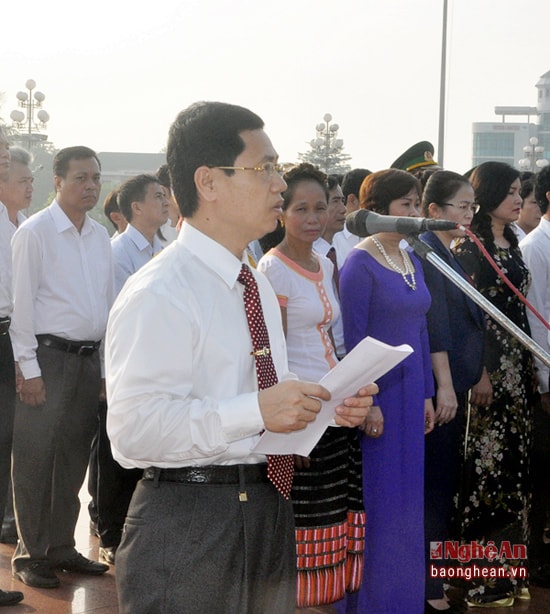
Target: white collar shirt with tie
{"points": [[182, 387]]}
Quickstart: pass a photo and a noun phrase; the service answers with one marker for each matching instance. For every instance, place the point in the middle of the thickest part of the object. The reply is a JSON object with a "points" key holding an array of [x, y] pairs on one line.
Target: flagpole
{"points": [[442, 87]]}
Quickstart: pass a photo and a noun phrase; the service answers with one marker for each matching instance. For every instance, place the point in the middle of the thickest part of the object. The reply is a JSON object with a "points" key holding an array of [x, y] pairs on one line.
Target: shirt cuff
{"points": [[30, 368], [240, 416]]}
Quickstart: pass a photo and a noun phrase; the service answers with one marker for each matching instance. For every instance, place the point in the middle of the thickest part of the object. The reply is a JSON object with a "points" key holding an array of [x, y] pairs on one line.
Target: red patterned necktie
{"points": [[280, 468], [331, 255]]}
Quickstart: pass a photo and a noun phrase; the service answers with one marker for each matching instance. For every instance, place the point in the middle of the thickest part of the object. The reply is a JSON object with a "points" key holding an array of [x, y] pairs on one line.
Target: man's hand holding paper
{"points": [[347, 406]]}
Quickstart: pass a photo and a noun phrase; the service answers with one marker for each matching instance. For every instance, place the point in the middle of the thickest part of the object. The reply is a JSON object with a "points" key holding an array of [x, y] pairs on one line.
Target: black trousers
{"points": [[190, 548], [7, 410], [115, 486]]}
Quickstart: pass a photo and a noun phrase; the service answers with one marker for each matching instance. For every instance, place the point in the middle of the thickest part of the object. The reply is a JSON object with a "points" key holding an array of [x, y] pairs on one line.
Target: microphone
{"points": [[365, 223]]}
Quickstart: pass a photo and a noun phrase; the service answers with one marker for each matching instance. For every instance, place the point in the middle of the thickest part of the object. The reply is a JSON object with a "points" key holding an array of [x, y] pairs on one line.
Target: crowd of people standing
{"points": [[156, 358]]}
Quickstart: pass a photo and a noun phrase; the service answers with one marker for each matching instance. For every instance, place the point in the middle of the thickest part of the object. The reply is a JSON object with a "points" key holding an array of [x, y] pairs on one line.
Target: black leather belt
{"points": [[4, 325], [211, 474], [82, 348]]}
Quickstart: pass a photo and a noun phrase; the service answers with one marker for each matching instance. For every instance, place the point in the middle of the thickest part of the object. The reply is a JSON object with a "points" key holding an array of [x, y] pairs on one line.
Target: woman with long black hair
{"points": [[495, 492]]}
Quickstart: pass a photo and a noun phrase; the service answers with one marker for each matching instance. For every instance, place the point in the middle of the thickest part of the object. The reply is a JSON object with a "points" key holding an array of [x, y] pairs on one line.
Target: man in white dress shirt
{"points": [[63, 289], [7, 366], [144, 204], [530, 214], [206, 530], [169, 230], [535, 249], [336, 220], [345, 241]]}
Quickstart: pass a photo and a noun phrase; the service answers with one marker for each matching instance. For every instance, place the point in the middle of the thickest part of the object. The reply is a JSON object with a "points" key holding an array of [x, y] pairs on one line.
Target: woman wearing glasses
{"points": [[326, 493], [456, 328], [495, 501]]}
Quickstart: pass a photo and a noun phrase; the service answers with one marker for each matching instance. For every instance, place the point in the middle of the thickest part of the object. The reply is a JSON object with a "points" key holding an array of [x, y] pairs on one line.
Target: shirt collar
{"points": [[321, 246], [63, 223], [214, 255], [136, 237], [545, 226], [347, 233]]}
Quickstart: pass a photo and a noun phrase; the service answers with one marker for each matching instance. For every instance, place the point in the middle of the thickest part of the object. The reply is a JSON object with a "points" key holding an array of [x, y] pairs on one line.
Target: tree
{"points": [[327, 150]]}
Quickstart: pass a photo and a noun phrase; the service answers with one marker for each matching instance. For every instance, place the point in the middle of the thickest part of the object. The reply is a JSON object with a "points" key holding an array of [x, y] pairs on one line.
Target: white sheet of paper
{"points": [[369, 360]]}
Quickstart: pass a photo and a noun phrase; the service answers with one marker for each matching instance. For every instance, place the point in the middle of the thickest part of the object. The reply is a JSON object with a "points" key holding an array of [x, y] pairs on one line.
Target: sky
{"points": [[115, 74]]}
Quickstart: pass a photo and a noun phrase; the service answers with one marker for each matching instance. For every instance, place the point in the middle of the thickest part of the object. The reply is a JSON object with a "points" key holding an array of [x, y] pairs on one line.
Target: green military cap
{"points": [[418, 156]]}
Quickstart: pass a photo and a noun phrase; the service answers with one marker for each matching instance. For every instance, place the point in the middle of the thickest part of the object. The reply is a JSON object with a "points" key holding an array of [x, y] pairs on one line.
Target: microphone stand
{"points": [[427, 253]]}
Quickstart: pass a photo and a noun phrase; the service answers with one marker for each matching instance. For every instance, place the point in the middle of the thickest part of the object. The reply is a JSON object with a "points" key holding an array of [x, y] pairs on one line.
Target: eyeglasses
{"points": [[473, 207], [269, 168]]}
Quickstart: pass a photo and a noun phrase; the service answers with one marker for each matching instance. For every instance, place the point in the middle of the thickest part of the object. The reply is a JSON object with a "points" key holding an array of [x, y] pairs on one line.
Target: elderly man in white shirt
{"points": [[15, 193], [207, 529], [16, 190], [63, 289], [7, 366]]}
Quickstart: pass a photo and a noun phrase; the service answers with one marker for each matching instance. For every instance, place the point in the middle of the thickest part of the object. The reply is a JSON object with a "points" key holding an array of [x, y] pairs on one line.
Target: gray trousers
{"points": [[51, 447], [190, 548], [7, 408]]}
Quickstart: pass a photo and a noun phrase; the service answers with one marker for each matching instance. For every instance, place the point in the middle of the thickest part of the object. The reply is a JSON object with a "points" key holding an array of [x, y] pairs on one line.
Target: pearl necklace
{"points": [[409, 270]]}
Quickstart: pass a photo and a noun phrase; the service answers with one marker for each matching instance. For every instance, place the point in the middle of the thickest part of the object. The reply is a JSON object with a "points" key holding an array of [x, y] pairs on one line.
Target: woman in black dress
{"points": [[495, 495]]}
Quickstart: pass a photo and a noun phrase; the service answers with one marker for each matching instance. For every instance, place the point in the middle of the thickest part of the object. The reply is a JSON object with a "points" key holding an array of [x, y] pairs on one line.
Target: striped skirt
{"points": [[330, 520]]}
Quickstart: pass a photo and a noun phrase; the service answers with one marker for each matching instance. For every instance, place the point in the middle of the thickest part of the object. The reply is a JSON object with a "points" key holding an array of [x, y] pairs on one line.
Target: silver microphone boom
{"points": [[365, 223]]}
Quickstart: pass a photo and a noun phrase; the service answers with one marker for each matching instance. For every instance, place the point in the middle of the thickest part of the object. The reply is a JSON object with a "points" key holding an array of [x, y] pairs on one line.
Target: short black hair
{"points": [[351, 183], [133, 190], [542, 186], [205, 134], [110, 205], [64, 156], [336, 177], [527, 188], [163, 176], [334, 181]]}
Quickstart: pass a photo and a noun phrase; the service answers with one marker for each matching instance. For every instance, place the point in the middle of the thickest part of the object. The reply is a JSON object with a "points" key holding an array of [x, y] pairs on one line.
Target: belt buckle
{"points": [[86, 350]]}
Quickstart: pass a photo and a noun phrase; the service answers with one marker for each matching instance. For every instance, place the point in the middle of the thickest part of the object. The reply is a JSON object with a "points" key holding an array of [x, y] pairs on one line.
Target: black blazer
{"points": [[456, 325]]}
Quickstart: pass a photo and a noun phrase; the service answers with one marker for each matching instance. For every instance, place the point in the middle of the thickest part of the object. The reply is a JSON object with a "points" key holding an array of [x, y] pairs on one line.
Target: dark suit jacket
{"points": [[456, 325]]}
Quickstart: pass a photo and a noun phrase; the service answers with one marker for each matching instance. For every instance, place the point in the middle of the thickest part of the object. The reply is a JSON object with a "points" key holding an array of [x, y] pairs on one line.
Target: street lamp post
{"points": [[534, 156], [326, 144], [25, 121]]}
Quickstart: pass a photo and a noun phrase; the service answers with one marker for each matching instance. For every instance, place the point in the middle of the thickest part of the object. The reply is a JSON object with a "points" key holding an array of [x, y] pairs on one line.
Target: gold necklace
{"points": [[409, 270]]}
